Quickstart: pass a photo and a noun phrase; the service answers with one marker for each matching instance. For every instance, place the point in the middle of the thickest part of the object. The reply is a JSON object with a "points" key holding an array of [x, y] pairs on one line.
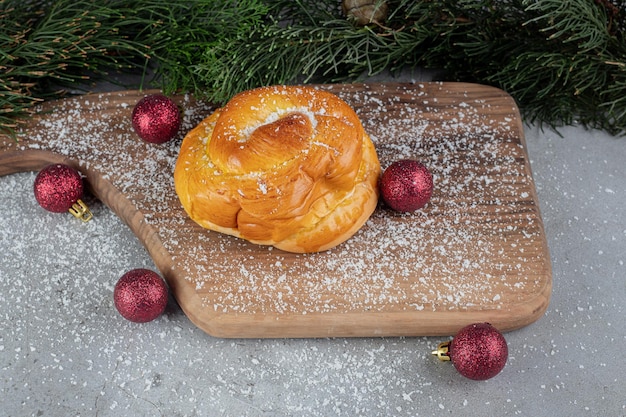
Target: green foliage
{"points": [[564, 61], [187, 29], [46, 46], [57, 45]]}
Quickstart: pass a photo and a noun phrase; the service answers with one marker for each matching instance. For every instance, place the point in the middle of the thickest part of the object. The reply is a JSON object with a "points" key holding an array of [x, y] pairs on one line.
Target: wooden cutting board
{"points": [[477, 252]]}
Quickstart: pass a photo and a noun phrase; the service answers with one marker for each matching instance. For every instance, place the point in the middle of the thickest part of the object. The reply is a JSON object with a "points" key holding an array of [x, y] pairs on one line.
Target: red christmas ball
{"points": [[57, 187], [156, 118], [478, 351], [140, 295], [406, 185]]}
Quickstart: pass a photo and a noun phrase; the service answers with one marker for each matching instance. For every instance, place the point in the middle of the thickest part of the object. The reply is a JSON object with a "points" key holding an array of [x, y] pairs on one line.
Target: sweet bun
{"points": [[290, 167]]}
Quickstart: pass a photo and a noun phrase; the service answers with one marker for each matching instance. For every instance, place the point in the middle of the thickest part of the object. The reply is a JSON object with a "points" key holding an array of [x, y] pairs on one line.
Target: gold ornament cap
{"points": [[442, 351], [80, 210]]}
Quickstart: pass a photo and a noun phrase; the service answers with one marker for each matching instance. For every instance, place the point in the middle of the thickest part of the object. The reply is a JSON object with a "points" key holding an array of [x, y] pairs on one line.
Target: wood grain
{"points": [[477, 252]]}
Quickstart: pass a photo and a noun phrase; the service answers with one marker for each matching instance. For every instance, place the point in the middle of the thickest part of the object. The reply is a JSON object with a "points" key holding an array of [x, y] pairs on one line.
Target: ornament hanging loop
{"points": [[442, 351], [81, 211]]}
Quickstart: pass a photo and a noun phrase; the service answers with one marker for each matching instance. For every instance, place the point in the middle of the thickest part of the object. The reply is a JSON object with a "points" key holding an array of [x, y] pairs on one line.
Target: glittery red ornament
{"points": [[406, 185], [57, 187], [156, 118], [478, 351], [140, 295]]}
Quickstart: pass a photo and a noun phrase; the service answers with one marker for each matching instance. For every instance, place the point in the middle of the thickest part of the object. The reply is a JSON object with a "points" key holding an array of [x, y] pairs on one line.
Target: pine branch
{"points": [[189, 28], [46, 46], [564, 61], [276, 55], [55, 45]]}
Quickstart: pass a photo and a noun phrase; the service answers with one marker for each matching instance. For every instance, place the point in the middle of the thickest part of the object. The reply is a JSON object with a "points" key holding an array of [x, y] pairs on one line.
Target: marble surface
{"points": [[65, 351]]}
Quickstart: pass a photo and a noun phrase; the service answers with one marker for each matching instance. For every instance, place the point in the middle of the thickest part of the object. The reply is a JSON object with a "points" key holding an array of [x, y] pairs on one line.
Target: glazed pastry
{"points": [[285, 166]]}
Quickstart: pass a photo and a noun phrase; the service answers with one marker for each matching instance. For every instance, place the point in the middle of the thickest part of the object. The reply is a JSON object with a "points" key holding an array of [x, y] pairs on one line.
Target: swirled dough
{"points": [[285, 166]]}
